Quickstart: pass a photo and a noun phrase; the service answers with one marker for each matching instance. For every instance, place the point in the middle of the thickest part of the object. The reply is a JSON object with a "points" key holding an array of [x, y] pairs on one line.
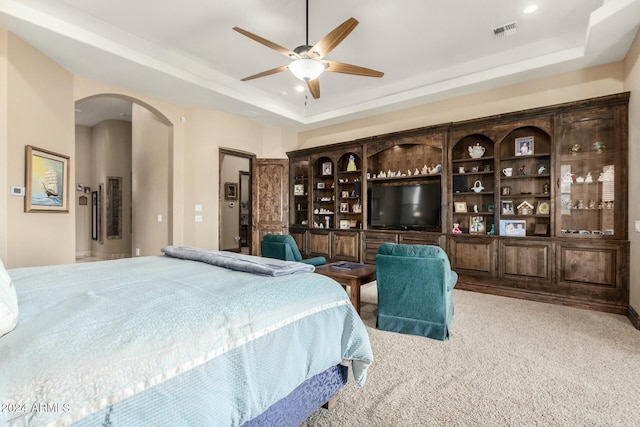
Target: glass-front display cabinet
{"points": [[590, 149], [299, 211]]}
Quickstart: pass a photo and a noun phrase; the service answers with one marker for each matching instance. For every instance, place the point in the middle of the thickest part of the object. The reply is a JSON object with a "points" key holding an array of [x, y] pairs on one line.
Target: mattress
{"points": [[164, 341]]}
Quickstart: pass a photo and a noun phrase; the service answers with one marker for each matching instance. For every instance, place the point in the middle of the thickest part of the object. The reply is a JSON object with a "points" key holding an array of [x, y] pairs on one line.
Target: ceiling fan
{"points": [[308, 62]]}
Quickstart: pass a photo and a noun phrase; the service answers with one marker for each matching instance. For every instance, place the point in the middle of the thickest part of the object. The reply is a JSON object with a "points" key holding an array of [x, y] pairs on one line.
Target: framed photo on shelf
{"points": [[513, 227], [541, 230], [327, 168], [320, 186], [505, 191], [344, 224], [344, 207], [298, 190], [460, 206], [507, 207], [542, 208], [524, 146], [476, 225], [344, 194]]}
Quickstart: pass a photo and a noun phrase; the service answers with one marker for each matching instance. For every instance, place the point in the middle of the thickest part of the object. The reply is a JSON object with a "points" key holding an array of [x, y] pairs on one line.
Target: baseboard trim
{"points": [[633, 316], [615, 308]]}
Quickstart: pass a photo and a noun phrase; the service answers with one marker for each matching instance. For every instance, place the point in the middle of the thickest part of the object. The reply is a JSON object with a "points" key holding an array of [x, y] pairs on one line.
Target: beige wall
{"points": [[152, 165], [39, 112], [205, 132], [632, 83], [4, 185], [586, 83], [83, 160]]}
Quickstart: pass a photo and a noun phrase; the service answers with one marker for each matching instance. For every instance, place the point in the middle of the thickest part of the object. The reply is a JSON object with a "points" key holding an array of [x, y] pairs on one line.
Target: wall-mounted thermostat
{"points": [[17, 191]]}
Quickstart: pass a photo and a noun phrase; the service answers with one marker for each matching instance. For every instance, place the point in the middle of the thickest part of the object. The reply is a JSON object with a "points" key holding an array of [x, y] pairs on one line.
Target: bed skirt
{"points": [[293, 409]]}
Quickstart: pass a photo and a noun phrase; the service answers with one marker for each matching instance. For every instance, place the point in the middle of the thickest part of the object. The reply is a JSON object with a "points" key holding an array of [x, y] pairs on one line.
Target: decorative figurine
{"points": [[416, 172], [475, 208], [541, 169], [425, 170], [476, 151], [575, 149], [351, 166], [592, 204], [580, 204], [456, 228], [492, 231], [522, 172], [588, 178]]}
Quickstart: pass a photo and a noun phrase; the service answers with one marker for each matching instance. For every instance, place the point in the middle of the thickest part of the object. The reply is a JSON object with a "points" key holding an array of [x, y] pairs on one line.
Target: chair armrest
{"points": [[453, 279], [316, 261]]}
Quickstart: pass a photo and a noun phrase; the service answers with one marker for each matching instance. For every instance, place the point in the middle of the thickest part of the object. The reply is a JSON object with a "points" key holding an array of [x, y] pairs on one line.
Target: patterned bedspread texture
{"points": [[92, 334]]}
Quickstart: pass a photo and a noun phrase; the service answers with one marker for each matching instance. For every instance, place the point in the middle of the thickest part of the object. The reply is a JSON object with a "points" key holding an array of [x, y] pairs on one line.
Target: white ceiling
{"points": [[186, 52]]}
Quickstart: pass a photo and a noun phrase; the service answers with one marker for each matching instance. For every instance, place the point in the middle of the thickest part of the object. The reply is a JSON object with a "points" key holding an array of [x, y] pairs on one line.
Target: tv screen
{"points": [[415, 206]]}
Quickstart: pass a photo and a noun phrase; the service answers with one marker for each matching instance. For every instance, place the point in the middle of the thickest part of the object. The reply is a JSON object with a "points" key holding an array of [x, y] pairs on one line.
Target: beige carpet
{"points": [[508, 362]]}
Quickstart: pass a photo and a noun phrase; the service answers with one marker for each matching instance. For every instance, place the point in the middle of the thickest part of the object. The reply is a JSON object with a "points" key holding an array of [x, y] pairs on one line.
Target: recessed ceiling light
{"points": [[299, 88], [530, 9]]}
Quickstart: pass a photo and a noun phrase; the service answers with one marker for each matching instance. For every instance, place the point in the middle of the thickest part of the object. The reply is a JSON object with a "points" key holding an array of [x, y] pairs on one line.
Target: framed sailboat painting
{"points": [[47, 181]]}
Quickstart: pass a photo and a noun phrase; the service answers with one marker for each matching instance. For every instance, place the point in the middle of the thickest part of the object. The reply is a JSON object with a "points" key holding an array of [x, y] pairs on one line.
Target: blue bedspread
{"points": [[90, 335]]}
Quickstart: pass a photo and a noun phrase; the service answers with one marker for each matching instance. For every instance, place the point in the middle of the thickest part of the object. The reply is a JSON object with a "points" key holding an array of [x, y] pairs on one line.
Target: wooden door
{"points": [[270, 199]]}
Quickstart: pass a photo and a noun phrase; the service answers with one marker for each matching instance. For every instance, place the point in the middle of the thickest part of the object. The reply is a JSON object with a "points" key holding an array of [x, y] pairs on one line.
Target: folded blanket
{"points": [[239, 262]]}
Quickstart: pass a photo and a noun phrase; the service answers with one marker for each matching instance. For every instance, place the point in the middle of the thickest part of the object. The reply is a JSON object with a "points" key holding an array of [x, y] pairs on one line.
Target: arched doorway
{"points": [[124, 169]]}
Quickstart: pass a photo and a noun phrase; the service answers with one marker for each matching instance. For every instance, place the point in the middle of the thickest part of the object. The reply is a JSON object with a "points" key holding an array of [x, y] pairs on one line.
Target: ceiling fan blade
{"points": [[341, 67], [267, 43], [314, 88], [267, 73], [331, 40]]}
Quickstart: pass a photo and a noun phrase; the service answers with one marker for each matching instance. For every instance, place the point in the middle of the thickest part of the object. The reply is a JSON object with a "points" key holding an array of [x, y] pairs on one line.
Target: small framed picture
{"points": [[327, 168], [344, 207], [541, 230], [507, 207], [505, 191], [320, 186], [344, 194], [344, 224], [298, 190], [513, 227], [524, 146], [543, 208], [476, 225], [460, 206], [87, 190], [230, 190]]}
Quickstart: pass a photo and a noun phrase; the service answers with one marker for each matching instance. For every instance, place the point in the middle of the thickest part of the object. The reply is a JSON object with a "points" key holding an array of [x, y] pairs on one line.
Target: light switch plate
{"points": [[637, 225], [198, 218], [198, 208]]}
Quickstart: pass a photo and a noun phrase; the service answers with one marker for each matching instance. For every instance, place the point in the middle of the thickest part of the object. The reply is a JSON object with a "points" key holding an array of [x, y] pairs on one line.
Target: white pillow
{"points": [[8, 302]]}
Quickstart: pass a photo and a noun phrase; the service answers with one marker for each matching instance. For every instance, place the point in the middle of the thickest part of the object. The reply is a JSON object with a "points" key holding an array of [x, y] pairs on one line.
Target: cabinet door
{"points": [[320, 243], [473, 255], [346, 246], [523, 259], [372, 241], [300, 236], [299, 212], [592, 194], [594, 271]]}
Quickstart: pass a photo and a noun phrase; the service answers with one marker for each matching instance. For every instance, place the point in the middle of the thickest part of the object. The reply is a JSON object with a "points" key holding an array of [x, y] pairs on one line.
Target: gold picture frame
{"points": [[524, 146], [460, 207], [47, 181]]}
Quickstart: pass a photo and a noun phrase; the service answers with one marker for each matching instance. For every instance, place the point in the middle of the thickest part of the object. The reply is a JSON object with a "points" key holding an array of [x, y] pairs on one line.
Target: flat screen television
{"points": [[404, 207]]}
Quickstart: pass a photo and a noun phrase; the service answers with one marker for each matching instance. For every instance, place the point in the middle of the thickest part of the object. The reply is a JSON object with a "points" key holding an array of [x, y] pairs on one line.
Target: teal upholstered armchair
{"points": [[415, 287], [282, 246]]}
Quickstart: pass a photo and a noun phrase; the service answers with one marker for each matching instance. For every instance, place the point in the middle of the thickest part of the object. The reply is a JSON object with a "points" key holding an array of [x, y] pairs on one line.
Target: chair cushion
{"points": [[287, 240], [419, 251]]}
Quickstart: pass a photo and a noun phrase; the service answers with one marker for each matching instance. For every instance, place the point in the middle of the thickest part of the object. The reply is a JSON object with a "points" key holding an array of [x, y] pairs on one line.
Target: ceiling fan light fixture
{"points": [[306, 69]]}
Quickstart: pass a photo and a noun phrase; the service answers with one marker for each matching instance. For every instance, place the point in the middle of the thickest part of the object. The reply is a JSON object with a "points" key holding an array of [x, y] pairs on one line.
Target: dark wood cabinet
{"points": [[533, 204]]}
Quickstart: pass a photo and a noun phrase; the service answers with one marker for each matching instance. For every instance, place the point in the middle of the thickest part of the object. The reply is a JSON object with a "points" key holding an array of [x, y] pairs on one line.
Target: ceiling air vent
{"points": [[504, 30]]}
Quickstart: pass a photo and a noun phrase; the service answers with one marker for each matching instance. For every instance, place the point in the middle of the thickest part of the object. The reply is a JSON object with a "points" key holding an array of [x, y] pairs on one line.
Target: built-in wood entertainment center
{"points": [[533, 204]]}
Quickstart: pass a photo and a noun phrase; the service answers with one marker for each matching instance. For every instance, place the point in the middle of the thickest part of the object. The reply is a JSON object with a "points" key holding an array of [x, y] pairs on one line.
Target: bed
{"points": [[195, 338]]}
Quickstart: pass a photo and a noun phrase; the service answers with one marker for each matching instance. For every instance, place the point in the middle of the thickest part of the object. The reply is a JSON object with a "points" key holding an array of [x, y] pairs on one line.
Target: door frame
{"points": [[222, 153]]}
